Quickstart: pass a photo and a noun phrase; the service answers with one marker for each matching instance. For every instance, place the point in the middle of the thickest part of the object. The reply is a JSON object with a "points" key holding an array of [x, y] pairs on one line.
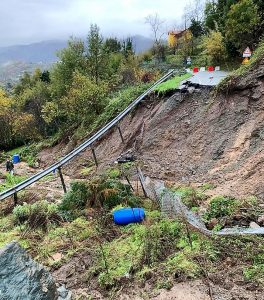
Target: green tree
{"points": [[214, 47], [45, 76], [24, 83], [112, 45], [211, 16], [72, 59], [84, 101], [196, 28], [6, 116], [241, 24], [128, 47], [96, 54], [32, 101], [223, 8], [215, 14], [260, 6]]}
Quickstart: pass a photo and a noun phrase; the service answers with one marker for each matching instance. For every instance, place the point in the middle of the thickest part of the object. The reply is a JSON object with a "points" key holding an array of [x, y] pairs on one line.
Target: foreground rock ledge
{"points": [[22, 278]]}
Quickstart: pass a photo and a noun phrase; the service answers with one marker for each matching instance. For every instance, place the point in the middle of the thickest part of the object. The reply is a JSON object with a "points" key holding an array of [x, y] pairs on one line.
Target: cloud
{"points": [[26, 21]]}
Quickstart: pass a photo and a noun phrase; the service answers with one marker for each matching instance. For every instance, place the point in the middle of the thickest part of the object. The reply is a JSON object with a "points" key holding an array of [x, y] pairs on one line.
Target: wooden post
{"points": [[94, 156], [62, 180], [127, 179], [141, 180], [15, 199], [121, 135]]}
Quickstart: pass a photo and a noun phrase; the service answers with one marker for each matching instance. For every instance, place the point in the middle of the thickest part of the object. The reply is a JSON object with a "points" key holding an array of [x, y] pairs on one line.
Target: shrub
{"points": [[190, 197], [118, 102], [76, 198], [112, 192], [113, 173], [220, 207], [100, 192], [37, 215]]}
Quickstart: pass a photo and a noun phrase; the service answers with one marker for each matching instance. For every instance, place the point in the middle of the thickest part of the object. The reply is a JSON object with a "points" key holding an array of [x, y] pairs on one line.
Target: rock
{"points": [[64, 294], [261, 220], [238, 217], [212, 223], [57, 256], [254, 225], [62, 291], [228, 285], [22, 278]]}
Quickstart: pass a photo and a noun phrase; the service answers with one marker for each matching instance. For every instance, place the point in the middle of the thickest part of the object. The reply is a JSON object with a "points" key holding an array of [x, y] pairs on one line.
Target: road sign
{"points": [[247, 52], [245, 61]]}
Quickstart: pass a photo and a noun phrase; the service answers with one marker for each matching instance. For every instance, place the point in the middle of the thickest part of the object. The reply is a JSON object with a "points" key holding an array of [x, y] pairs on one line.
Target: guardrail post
{"points": [[62, 180], [141, 180], [94, 156], [120, 132], [15, 199]]}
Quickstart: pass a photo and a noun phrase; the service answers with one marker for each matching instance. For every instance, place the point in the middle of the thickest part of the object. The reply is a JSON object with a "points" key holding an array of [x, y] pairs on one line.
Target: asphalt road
{"points": [[208, 78]]}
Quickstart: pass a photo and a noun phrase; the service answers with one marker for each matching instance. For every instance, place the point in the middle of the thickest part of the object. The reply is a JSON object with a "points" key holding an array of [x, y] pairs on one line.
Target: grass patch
{"points": [[11, 181], [190, 196], [17, 150], [86, 171], [38, 215], [66, 239], [172, 84]]}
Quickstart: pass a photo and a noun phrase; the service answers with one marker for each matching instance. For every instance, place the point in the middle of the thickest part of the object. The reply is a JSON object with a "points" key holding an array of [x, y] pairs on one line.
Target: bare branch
{"points": [[156, 25]]}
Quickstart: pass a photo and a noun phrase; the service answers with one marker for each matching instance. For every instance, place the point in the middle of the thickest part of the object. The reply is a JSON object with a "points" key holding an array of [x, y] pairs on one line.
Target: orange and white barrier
{"points": [[203, 69]]}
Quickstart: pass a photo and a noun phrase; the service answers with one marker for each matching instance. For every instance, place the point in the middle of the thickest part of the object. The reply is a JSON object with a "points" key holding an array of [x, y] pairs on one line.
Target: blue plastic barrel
{"points": [[16, 158], [126, 216]]}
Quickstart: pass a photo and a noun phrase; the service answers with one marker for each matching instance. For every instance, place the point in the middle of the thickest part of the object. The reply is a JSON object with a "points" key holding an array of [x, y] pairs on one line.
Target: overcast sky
{"points": [[27, 21]]}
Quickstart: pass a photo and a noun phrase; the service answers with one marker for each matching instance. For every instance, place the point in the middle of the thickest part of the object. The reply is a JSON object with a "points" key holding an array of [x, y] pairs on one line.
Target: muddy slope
{"points": [[193, 138]]}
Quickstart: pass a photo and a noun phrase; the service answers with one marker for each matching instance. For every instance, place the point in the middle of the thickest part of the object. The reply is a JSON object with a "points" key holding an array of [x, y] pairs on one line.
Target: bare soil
{"points": [[190, 139]]}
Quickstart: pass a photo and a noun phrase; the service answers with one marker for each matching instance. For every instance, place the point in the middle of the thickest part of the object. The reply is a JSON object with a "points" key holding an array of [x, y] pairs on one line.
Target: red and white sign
{"points": [[247, 52]]}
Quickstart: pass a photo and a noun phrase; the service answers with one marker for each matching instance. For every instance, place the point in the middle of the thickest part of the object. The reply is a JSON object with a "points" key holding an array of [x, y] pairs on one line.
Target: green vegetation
{"points": [[91, 83], [76, 198], [10, 181], [142, 250], [104, 191], [37, 215], [221, 206], [117, 103], [172, 84], [159, 249], [190, 196]]}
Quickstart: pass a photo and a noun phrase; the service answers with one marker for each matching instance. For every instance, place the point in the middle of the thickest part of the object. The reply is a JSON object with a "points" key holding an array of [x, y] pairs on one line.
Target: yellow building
{"points": [[175, 35]]}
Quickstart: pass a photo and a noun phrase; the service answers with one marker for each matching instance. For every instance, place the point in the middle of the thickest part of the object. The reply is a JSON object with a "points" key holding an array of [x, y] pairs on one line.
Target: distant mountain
{"points": [[141, 43], [15, 60], [11, 72], [45, 52], [42, 52]]}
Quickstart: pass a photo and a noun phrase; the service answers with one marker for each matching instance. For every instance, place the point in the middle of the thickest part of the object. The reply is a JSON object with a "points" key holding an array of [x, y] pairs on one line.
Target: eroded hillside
{"points": [[192, 138]]}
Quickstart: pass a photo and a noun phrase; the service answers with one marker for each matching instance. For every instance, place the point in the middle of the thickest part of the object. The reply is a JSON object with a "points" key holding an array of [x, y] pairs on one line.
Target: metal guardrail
{"points": [[83, 146]]}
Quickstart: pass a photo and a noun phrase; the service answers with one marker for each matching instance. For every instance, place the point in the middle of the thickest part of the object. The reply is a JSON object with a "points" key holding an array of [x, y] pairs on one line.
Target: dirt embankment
{"points": [[192, 138]]}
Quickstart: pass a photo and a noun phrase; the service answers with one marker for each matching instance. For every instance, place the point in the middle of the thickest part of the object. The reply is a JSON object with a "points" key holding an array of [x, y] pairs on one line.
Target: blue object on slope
{"points": [[125, 216], [16, 158]]}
